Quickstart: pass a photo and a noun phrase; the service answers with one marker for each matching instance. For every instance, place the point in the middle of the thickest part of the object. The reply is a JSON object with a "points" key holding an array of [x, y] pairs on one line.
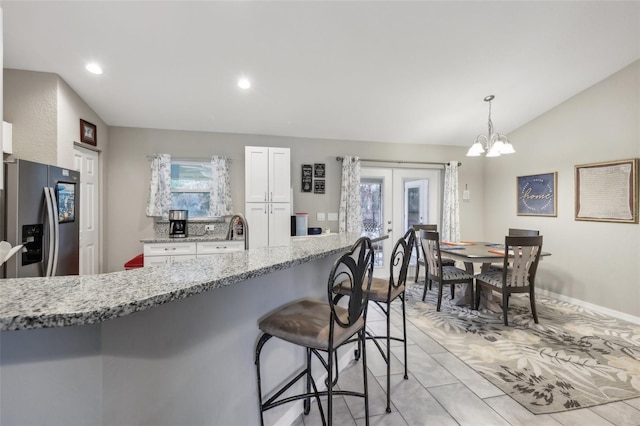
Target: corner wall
{"points": [[595, 262]]}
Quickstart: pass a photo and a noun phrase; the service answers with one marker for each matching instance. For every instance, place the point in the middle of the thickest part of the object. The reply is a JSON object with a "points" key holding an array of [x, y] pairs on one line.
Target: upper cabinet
{"points": [[267, 175], [7, 137]]}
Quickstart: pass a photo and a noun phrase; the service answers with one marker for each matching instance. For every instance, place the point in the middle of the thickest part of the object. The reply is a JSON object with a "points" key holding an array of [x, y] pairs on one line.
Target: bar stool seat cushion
{"points": [[305, 322], [379, 291]]}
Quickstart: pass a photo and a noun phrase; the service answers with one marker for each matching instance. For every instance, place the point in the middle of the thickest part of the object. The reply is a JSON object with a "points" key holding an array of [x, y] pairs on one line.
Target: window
{"points": [[190, 187]]}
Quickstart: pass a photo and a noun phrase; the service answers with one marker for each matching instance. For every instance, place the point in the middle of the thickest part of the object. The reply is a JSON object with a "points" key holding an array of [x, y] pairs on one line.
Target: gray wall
{"points": [[128, 167], [595, 262], [46, 112], [30, 103]]}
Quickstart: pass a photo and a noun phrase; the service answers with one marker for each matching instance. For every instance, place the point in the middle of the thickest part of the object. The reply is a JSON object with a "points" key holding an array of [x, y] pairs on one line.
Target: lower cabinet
{"points": [[167, 253], [269, 224], [211, 248]]}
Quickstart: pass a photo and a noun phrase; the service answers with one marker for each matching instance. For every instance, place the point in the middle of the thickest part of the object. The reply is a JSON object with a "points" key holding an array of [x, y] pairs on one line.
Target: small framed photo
{"points": [[318, 170], [537, 195], [88, 133]]}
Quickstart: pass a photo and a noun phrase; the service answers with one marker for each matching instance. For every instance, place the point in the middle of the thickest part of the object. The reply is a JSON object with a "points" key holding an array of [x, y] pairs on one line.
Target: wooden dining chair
{"points": [[440, 273], [420, 252], [515, 232], [518, 278]]}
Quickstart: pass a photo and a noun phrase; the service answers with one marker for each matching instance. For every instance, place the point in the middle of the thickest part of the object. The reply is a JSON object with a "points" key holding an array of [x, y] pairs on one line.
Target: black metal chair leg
{"points": [[388, 360], [307, 401], [404, 328], [364, 374]]}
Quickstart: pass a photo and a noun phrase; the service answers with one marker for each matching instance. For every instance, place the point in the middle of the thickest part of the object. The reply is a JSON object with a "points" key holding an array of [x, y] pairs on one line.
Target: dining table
{"points": [[471, 253]]}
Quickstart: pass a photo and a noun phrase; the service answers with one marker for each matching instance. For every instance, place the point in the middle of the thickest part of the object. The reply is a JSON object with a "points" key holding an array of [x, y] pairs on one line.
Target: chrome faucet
{"points": [[245, 229]]}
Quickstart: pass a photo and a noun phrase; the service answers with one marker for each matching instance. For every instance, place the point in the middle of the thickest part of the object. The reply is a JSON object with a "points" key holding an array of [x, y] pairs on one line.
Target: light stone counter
{"points": [[28, 303], [187, 362]]}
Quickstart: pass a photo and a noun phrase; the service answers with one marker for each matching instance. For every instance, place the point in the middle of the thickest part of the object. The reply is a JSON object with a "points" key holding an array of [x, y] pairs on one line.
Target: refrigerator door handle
{"points": [[47, 197], [56, 225]]}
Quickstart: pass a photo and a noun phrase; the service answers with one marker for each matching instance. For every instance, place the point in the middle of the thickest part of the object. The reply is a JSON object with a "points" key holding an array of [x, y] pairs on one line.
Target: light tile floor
{"points": [[442, 390]]}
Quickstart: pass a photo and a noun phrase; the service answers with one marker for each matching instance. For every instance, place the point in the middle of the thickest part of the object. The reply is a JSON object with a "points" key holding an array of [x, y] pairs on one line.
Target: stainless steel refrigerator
{"points": [[41, 211]]}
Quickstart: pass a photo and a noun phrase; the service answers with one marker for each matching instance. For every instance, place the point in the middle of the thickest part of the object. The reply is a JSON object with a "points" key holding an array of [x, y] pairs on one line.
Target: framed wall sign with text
{"points": [[537, 195]]}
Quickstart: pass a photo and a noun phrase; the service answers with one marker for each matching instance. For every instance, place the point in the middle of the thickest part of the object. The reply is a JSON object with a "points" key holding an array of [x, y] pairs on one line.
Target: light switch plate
{"points": [[333, 217], [466, 194], [320, 217]]}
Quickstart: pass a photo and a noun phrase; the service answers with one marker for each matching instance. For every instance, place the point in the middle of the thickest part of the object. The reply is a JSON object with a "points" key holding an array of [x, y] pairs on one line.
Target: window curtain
{"points": [[159, 201], [450, 207], [350, 216], [220, 203]]}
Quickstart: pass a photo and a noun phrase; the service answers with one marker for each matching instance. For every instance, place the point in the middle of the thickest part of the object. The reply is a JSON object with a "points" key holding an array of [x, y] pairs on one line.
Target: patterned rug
{"points": [[574, 358]]}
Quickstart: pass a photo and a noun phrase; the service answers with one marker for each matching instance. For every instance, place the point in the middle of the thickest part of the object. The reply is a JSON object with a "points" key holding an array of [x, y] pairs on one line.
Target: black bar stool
{"points": [[383, 292], [321, 326]]}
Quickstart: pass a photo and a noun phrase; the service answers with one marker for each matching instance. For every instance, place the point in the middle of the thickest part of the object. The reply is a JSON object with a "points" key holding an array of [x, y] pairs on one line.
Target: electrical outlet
{"points": [[320, 217], [209, 228]]}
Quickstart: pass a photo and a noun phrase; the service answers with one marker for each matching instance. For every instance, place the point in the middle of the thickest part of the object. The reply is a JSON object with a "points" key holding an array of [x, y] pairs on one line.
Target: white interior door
{"points": [[86, 162]]}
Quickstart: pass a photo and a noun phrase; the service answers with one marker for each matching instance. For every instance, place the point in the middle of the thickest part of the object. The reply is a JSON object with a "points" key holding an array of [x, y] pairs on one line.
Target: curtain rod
{"points": [[151, 157], [401, 161]]}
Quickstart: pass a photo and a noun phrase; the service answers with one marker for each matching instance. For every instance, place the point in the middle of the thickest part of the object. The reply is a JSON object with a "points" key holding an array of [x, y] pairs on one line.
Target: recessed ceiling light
{"points": [[244, 83], [94, 68]]}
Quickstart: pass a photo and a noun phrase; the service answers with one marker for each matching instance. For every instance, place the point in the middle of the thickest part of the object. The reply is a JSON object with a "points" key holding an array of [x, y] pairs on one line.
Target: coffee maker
{"points": [[177, 223]]}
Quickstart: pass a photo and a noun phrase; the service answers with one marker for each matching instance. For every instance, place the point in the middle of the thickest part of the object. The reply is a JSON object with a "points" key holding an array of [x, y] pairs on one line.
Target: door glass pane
{"points": [[413, 207], [372, 214]]}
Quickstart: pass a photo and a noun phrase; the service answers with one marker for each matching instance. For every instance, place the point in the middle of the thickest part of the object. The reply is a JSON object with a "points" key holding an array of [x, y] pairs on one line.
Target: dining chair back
{"points": [[524, 254], [440, 273], [515, 232], [420, 253]]}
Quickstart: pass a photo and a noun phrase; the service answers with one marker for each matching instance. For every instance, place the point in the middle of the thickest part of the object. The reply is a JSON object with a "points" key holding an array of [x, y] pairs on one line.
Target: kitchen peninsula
{"points": [[90, 350]]}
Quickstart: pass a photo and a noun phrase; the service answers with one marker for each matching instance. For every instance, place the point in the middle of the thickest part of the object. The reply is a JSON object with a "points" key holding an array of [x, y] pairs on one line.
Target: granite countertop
{"points": [[28, 303], [187, 239]]}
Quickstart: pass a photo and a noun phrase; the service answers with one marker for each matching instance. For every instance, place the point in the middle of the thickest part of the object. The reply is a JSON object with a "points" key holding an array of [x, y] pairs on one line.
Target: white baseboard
{"points": [[292, 414], [591, 306]]}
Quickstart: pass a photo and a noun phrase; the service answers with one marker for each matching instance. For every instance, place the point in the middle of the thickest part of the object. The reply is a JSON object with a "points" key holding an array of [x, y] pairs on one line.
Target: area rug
{"points": [[574, 358]]}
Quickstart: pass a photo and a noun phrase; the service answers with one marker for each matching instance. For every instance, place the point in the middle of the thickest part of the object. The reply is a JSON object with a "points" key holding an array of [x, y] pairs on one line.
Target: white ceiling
{"points": [[412, 72]]}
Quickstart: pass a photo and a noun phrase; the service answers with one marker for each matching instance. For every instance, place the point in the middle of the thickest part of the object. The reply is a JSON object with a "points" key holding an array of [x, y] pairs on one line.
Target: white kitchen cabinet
{"points": [[268, 195], [269, 224], [167, 253], [7, 138], [212, 248], [267, 175]]}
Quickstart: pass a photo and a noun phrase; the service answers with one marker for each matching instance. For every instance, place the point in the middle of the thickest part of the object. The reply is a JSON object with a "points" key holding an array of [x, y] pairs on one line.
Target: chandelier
{"points": [[493, 143]]}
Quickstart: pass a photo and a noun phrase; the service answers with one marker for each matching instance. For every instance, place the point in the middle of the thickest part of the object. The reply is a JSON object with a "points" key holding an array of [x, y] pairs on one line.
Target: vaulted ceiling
{"points": [[390, 71]]}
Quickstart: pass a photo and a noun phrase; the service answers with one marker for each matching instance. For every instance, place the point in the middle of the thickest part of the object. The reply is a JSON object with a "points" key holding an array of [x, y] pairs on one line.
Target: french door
{"points": [[395, 199]]}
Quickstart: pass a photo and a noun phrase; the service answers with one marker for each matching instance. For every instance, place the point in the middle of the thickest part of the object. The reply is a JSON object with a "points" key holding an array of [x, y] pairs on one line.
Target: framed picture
{"points": [[307, 179], [318, 170], [607, 192], [66, 194], [318, 186], [537, 195], [88, 133]]}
